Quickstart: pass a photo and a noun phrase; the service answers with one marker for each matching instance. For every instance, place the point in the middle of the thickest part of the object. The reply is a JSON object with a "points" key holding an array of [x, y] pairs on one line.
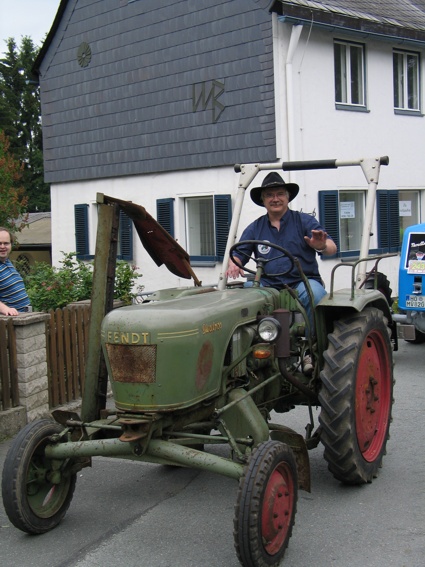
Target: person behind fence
{"points": [[13, 296], [298, 233]]}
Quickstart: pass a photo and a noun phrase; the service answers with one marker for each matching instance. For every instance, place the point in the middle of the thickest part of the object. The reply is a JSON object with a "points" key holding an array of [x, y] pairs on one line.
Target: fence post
{"points": [[31, 356], [30, 373]]}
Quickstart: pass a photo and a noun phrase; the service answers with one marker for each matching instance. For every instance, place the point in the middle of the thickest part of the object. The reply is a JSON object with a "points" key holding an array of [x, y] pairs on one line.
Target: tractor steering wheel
{"points": [[261, 261]]}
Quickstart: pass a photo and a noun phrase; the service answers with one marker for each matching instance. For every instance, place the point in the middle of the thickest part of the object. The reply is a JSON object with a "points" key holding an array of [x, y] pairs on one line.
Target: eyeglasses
{"points": [[279, 195]]}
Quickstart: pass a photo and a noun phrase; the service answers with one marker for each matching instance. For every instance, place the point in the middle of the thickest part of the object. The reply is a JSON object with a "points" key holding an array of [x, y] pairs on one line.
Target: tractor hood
{"points": [[169, 354]]}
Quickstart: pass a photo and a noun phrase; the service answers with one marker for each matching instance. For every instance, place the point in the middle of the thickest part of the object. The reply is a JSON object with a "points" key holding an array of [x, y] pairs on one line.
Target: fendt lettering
{"points": [[120, 338]]}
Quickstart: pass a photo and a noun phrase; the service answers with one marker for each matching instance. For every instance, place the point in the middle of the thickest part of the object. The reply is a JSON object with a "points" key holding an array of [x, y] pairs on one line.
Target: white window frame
{"points": [[409, 207], [348, 84], [200, 242], [351, 219], [406, 80]]}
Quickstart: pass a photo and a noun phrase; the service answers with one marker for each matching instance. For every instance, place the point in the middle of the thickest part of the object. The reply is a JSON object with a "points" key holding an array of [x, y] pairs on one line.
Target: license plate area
{"points": [[415, 301]]}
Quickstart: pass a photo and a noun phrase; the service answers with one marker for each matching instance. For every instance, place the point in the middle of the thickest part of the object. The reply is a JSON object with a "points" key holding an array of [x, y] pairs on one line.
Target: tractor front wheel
{"points": [[266, 506], [37, 491], [356, 396]]}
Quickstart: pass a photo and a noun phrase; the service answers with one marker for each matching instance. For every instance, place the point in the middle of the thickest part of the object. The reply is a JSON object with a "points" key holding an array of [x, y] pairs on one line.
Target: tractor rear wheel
{"points": [[383, 285], [356, 396], [266, 505], [37, 491]]}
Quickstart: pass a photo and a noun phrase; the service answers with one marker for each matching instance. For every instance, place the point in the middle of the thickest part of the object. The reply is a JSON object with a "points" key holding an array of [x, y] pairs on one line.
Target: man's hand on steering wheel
{"points": [[237, 249], [233, 270]]}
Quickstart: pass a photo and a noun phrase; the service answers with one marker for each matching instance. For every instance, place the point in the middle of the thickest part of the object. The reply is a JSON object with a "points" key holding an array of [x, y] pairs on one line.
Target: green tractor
{"points": [[196, 366]]}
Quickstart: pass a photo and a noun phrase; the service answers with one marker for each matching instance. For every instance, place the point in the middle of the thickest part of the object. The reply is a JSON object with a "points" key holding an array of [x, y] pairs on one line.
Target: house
{"points": [[34, 242], [154, 101]]}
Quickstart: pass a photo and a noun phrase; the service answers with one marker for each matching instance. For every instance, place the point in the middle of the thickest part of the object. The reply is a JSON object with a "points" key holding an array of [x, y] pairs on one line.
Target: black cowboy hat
{"points": [[272, 181]]}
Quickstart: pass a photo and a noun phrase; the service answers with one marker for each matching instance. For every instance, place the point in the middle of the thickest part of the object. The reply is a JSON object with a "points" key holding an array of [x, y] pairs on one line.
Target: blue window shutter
{"points": [[223, 217], [81, 216], [126, 237], [165, 214], [388, 218], [329, 214], [394, 220]]}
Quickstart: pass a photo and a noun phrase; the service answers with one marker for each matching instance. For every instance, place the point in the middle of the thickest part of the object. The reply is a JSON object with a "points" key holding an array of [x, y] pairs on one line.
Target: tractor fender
{"points": [[346, 300], [298, 445]]}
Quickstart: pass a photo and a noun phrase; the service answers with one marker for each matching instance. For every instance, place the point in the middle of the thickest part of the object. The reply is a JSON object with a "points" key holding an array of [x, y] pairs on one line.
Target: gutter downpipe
{"points": [[293, 43]]}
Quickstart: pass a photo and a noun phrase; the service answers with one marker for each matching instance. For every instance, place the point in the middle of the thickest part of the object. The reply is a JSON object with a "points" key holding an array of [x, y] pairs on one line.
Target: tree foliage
{"points": [[13, 201], [20, 119]]}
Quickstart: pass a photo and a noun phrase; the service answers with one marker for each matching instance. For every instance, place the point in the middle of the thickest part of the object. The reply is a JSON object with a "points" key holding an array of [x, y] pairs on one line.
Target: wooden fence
{"points": [[67, 343], [9, 395]]}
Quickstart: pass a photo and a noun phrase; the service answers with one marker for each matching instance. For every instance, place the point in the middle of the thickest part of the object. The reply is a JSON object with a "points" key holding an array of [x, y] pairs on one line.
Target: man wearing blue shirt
{"points": [[13, 296], [299, 233]]}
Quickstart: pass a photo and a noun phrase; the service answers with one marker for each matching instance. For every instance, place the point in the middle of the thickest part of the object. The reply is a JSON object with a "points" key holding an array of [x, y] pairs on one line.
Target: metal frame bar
{"points": [[248, 172]]}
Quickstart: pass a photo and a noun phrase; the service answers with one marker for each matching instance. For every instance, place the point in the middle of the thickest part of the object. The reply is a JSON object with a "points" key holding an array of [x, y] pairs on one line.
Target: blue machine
{"points": [[411, 288]]}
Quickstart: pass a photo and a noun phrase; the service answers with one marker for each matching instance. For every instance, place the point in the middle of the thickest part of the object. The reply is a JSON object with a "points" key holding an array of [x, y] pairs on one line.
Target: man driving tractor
{"points": [[299, 233]]}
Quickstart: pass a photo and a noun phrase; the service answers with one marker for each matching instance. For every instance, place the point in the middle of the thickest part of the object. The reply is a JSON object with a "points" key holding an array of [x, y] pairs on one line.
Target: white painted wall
{"points": [[318, 131]]}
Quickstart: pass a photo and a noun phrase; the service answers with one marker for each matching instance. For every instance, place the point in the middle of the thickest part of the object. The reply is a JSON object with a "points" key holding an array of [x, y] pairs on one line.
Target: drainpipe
{"points": [[293, 43]]}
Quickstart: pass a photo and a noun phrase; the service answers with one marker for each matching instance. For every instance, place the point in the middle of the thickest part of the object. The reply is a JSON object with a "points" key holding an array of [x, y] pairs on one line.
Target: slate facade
{"points": [[142, 86]]}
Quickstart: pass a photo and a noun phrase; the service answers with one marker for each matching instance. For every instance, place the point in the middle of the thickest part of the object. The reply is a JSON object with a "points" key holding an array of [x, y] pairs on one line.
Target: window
{"points": [[200, 234], [406, 81], [342, 215], [82, 243], [349, 75], [409, 209], [351, 215], [207, 225]]}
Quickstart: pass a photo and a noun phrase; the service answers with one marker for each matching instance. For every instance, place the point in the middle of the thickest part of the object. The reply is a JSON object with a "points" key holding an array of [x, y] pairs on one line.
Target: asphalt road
{"points": [[132, 514]]}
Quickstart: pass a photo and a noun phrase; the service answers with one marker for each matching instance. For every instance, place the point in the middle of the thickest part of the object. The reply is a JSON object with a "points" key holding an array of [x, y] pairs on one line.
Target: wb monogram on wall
{"points": [[205, 96]]}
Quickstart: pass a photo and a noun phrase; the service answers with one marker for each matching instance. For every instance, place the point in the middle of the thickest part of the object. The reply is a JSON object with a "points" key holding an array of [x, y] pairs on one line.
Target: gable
{"points": [[144, 86]]}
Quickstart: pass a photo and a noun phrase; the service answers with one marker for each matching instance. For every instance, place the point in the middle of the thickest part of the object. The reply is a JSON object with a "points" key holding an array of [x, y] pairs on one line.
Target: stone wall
{"points": [[31, 349]]}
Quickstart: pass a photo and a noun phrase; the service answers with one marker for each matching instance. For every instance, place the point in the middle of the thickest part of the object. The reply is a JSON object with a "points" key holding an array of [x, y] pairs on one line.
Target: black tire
{"points": [[356, 396], [36, 492], [266, 506], [383, 285]]}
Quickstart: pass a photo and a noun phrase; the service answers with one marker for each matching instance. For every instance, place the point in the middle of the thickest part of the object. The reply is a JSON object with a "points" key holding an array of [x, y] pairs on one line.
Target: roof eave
{"points": [[298, 15]]}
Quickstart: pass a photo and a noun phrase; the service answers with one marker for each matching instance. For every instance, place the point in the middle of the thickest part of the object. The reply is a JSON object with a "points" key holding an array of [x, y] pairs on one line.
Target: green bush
{"points": [[51, 288]]}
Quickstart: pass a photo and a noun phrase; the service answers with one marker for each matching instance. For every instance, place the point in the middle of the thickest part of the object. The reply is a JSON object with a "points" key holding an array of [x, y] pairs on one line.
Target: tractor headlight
{"points": [[269, 329]]}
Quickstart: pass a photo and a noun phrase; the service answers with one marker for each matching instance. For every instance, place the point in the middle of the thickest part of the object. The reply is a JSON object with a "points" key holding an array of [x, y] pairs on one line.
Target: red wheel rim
{"points": [[277, 508], [373, 391]]}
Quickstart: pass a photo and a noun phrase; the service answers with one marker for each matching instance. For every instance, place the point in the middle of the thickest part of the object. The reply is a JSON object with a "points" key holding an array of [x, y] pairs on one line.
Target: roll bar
{"points": [[248, 172]]}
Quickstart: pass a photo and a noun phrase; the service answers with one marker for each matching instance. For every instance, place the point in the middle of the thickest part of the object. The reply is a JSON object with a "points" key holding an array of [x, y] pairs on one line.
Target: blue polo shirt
{"points": [[12, 288], [293, 227]]}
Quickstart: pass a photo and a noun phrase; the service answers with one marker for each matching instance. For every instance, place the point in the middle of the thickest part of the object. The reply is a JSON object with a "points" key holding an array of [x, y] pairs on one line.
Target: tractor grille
{"points": [[135, 363]]}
